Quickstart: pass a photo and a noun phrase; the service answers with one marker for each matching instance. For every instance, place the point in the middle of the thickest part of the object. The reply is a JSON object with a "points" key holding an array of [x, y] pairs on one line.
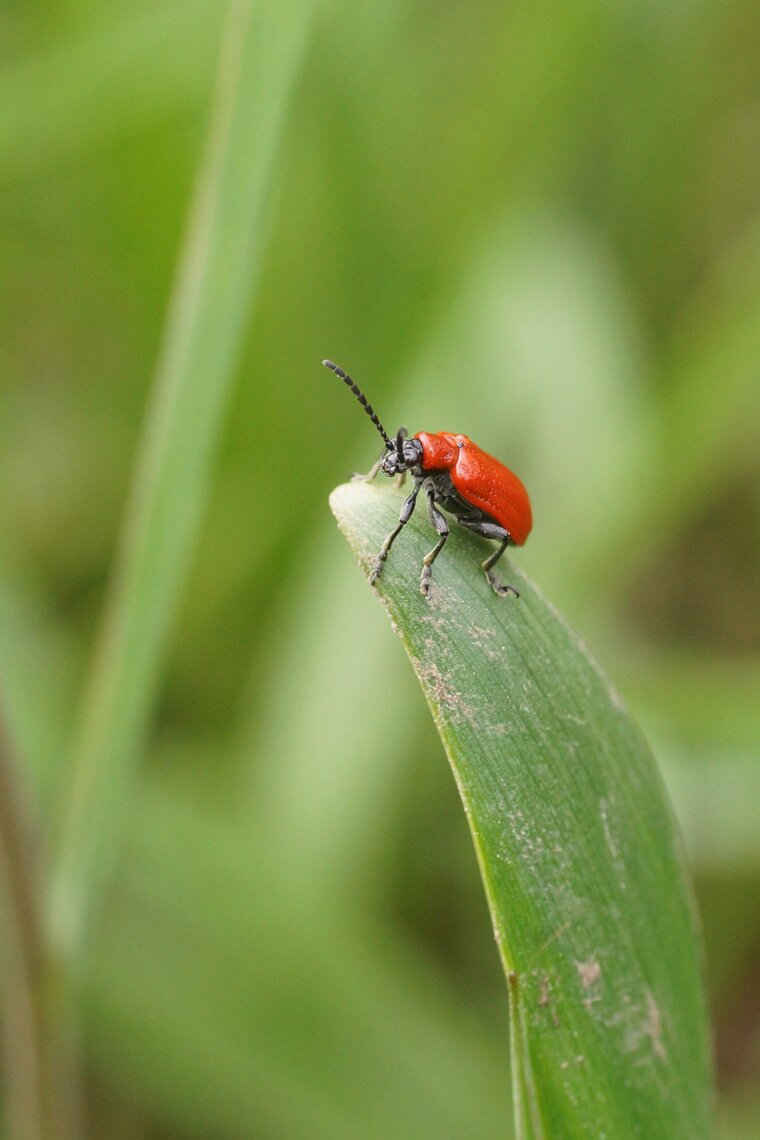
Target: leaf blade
{"points": [[216, 281], [577, 847]]}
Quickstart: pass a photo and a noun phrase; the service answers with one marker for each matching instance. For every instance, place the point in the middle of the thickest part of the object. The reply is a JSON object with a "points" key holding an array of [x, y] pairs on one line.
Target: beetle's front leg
{"points": [[357, 477], [407, 510]]}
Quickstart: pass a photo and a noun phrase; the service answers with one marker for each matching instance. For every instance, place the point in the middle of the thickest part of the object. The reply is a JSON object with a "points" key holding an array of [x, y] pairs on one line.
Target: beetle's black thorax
{"points": [[447, 495], [441, 483]]}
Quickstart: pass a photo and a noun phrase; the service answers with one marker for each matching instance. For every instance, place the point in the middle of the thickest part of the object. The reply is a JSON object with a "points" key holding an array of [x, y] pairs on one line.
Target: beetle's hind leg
{"points": [[492, 530], [501, 588]]}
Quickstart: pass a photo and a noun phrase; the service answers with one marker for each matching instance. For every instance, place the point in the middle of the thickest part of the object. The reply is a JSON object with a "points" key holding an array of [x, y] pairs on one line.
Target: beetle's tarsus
{"points": [[501, 588]]}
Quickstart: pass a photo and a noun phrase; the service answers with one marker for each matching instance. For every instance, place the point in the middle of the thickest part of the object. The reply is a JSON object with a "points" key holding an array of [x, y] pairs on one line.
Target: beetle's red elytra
{"points": [[481, 480], [480, 492]]}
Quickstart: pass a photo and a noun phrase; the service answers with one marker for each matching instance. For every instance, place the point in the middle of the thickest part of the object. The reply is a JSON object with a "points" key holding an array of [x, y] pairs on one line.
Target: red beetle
{"points": [[481, 493]]}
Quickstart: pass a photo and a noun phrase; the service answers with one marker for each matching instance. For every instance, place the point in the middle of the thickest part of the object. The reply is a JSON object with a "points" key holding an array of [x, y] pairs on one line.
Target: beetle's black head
{"points": [[403, 455]]}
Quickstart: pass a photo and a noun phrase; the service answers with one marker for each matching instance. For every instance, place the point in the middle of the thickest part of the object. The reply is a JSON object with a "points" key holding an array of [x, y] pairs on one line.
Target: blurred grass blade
{"points": [[578, 851], [210, 307]]}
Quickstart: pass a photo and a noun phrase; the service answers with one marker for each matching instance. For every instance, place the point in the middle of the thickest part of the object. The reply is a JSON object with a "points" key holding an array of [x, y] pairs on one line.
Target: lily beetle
{"points": [[482, 494]]}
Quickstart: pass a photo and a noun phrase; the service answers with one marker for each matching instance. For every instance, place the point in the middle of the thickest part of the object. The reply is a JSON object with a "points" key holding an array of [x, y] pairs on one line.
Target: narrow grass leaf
{"points": [[222, 256], [578, 850]]}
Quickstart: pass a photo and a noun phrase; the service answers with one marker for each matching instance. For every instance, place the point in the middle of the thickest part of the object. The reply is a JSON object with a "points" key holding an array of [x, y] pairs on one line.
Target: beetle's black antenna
{"points": [[361, 398]]}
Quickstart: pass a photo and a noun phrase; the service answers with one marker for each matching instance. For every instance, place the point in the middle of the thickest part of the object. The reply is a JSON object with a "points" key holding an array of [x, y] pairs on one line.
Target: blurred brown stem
{"points": [[31, 1078]]}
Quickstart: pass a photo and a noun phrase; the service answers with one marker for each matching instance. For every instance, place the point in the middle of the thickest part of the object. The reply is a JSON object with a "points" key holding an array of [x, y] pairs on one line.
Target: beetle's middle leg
{"points": [[442, 527], [492, 530]]}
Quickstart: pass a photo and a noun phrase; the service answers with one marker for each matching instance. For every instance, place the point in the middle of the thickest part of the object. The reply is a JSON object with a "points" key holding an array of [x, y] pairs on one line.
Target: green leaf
{"points": [[580, 857]]}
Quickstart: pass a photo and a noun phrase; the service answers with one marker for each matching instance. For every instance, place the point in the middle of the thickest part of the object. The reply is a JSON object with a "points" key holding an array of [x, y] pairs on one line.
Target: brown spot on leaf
{"points": [[589, 972], [446, 694], [653, 1026]]}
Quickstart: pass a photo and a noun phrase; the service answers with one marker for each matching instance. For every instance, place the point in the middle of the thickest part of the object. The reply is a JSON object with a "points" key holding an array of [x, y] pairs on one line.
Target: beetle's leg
{"points": [[442, 527], [501, 588], [407, 510], [492, 530], [357, 477]]}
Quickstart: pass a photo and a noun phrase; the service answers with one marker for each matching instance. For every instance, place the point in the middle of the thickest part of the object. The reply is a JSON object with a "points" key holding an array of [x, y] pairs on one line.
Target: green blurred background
{"points": [[538, 224]]}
